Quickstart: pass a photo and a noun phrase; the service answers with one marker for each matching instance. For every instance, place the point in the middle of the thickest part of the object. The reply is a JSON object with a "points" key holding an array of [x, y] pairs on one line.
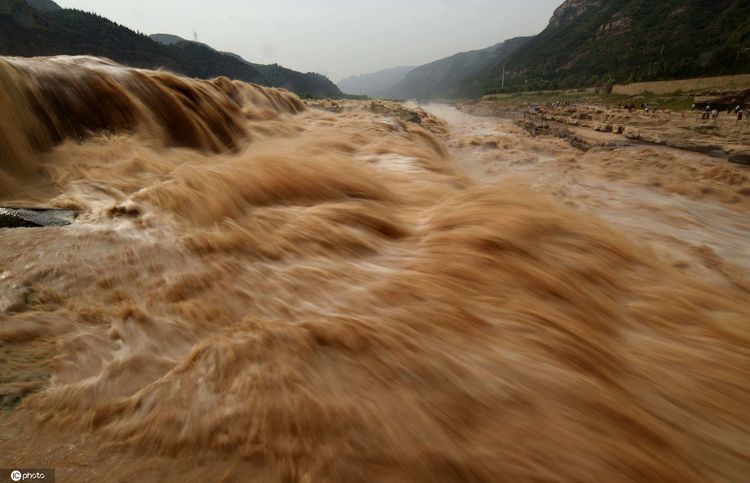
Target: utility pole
{"points": [[503, 76]]}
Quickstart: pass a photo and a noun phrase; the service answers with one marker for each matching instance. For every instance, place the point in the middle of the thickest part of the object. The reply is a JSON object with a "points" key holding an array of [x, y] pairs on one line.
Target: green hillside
{"points": [[305, 84], [45, 30], [28, 32], [597, 42], [308, 84], [44, 5]]}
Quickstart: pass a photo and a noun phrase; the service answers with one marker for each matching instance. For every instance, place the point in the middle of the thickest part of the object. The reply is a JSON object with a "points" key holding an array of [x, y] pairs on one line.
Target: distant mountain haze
{"points": [[455, 76], [376, 83]]}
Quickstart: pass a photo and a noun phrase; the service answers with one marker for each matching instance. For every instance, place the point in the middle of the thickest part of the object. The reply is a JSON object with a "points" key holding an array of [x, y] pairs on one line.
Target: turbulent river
{"points": [[259, 290]]}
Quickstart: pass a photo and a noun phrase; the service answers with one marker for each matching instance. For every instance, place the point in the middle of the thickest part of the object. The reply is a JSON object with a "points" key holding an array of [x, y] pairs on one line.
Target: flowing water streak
{"points": [[259, 292]]}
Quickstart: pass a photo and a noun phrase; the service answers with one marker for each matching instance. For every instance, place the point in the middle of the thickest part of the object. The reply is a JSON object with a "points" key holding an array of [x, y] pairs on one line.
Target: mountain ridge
{"points": [[36, 28], [592, 43], [44, 5], [453, 76], [597, 43], [307, 84]]}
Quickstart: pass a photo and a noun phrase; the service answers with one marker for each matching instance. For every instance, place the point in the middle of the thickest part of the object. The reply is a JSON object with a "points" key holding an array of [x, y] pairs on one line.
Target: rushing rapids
{"points": [[258, 291]]}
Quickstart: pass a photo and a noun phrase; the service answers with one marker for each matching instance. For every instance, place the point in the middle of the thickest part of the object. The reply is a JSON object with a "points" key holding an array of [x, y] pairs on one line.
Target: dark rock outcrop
{"points": [[35, 217]]}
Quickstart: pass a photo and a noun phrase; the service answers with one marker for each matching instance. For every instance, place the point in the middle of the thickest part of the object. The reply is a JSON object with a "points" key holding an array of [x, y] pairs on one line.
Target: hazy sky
{"points": [[337, 38]]}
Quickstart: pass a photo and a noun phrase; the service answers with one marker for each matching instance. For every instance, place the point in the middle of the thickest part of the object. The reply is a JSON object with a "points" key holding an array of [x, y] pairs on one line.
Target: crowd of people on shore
{"points": [[708, 113], [712, 114]]}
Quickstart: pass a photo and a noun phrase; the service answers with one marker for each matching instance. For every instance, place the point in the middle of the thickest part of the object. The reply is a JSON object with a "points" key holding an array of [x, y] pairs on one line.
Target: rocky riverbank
{"points": [[725, 137]]}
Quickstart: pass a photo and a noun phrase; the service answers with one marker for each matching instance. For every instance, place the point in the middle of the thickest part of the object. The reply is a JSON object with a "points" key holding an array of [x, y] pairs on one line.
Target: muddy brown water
{"points": [[265, 292]]}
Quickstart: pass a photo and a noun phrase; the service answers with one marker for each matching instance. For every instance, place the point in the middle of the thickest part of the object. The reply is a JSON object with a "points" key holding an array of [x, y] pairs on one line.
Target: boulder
{"points": [[741, 158], [35, 217], [632, 133]]}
